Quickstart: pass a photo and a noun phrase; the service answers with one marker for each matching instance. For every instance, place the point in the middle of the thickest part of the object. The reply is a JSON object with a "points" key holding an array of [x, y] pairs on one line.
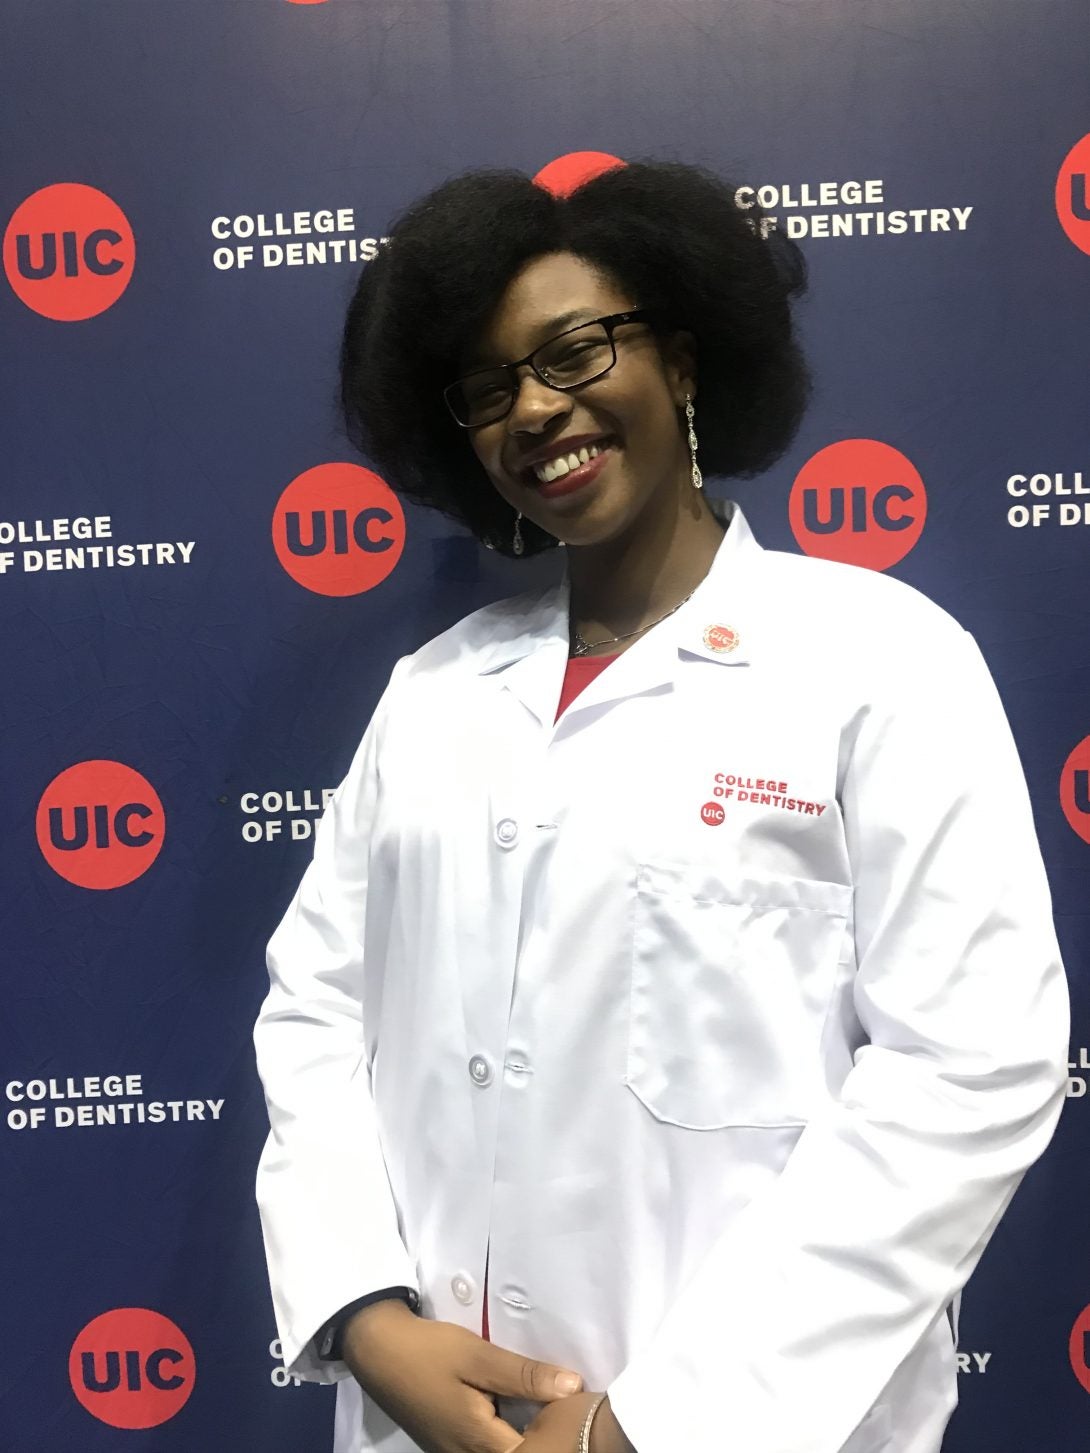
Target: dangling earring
{"points": [[698, 478], [517, 543]]}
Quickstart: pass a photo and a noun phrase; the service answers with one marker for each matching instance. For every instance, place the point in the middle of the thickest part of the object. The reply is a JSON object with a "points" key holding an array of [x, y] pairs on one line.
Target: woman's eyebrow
{"points": [[568, 320], [547, 330]]}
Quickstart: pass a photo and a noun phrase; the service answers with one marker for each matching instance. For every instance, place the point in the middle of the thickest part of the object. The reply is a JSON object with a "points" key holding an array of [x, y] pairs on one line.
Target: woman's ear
{"points": [[679, 358]]}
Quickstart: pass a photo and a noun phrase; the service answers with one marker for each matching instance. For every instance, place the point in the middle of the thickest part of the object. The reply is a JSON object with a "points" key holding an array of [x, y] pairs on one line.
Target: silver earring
{"points": [[698, 478], [517, 542]]}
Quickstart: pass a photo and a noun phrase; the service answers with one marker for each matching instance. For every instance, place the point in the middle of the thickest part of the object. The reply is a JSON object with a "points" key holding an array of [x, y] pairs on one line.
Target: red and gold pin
{"points": [[721, 638]]}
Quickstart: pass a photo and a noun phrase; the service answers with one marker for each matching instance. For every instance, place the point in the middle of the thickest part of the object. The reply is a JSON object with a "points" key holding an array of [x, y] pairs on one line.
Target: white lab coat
{"points": [[737, 1104]]}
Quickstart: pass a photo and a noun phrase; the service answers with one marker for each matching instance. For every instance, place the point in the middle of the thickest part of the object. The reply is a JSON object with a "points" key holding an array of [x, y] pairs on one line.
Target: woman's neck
{"points": [[630, 581]]}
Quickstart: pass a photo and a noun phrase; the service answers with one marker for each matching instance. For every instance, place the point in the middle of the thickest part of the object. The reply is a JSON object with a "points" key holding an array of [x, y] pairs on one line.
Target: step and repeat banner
{"points": [[203, 591]]}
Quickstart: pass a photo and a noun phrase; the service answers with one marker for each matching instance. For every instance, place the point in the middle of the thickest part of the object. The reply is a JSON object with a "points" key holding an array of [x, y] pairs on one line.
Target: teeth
{"points": [[565, 463]]}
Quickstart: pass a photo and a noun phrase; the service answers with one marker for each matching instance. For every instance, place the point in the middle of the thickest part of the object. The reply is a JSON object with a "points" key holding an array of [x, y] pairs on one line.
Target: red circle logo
{"points": [[100, 824], [721, 638], [859, 501], [132, 1368], [69, 252], [338, 529], [1079, 1348], [1075, 789], [712, 814], [1073, 194], [566, 174]]}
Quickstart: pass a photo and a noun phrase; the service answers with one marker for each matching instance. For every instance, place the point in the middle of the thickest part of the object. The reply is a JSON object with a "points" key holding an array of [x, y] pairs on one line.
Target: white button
{"points": [[480, 1071], [463, 1288], [507, 831]]}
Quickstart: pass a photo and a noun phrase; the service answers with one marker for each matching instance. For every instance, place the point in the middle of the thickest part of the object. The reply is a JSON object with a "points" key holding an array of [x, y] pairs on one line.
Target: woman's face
{"points": [[632, 411]]}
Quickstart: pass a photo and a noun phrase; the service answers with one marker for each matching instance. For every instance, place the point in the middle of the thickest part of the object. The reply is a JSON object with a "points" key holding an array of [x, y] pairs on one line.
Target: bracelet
{"points": [[584, 1436]]}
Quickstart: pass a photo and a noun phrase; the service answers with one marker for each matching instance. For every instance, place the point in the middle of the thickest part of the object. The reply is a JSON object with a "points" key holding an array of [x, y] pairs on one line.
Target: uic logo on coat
{"points": [[338, 529], [721, 638], [858, 501], [100, 824], [69, 252], [132, 1368]]}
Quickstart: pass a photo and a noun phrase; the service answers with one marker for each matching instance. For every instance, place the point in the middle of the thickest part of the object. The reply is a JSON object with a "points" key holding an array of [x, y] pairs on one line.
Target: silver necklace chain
{"points": [[580, 647]]}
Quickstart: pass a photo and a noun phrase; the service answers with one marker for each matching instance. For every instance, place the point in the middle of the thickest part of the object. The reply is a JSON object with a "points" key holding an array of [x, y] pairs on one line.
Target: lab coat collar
{"points": [[712, 624], [716, 621]]}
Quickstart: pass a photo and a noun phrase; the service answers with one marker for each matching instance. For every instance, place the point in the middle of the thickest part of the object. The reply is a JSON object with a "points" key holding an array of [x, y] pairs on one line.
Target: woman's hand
{"points": [[556, 1428], [437, 1380]]}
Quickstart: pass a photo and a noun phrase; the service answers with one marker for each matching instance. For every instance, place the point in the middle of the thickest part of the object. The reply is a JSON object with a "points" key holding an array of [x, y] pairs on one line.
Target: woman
{"points": [[673, 999]]}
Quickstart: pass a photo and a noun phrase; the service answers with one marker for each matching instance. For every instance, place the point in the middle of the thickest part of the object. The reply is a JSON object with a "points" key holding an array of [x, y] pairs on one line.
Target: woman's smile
{"points": [[567, 479]]}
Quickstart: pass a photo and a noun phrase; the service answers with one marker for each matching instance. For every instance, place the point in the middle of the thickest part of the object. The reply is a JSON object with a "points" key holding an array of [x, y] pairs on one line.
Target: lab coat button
{"points": [[507, 831], [463, 1288], [480, 1071]]}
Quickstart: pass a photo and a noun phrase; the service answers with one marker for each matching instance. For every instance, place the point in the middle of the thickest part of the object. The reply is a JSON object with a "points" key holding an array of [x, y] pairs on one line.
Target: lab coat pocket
{"points": [[731, 984]]}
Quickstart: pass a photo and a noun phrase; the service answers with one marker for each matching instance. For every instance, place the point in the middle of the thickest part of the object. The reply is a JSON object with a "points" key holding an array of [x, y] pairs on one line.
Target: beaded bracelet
{"points": [[584, 1436]]}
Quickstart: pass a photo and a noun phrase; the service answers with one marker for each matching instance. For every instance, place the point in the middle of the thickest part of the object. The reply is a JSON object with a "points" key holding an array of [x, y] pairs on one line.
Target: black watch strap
{"points": [[329, 1338]]}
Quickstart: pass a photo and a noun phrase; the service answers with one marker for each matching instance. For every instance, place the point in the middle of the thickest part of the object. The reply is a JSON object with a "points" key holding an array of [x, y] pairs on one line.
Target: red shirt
{"points": [[580, 672]]}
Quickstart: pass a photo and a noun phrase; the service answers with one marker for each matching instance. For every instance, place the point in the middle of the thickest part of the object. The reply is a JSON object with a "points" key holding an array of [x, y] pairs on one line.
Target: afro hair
{"points": [[671, 233]]}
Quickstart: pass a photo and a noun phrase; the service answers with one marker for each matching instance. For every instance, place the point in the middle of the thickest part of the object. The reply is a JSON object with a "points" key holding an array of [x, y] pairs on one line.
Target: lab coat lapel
{"points": [[717, 624], [531, 665], [649, 665], [711, 624]]}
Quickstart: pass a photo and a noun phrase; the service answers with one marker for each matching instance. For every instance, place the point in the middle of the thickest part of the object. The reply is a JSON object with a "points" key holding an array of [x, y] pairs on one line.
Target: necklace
{"points": [[580, 647]]}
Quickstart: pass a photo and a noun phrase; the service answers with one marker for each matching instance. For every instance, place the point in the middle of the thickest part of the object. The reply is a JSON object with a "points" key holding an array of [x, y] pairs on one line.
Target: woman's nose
{"points": [[535, 402]]}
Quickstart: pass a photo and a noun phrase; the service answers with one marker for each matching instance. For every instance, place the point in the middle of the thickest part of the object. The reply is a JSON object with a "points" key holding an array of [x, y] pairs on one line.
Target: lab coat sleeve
{"points": [[327, 1210], [805, 1306]]}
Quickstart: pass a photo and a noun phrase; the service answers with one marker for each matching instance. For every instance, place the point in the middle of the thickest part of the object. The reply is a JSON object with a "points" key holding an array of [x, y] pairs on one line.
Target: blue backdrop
{"points": [[162, 387]]}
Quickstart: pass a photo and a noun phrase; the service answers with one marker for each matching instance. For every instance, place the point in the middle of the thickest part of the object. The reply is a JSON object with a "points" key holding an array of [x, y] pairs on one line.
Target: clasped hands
{"points": [[557, 1427], [439, 1382]]}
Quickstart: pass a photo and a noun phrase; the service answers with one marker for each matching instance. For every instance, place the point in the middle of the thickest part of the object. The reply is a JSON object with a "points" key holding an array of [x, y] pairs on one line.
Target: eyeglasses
{"points": [[573, 357]]}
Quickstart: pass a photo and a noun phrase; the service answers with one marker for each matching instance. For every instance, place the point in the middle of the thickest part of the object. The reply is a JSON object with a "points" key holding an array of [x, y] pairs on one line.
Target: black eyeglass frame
{"points": [[609, 322]]}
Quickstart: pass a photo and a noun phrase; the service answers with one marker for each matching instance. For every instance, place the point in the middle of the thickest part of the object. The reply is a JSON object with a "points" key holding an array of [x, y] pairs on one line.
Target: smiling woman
{"points": [[672, 1005]]}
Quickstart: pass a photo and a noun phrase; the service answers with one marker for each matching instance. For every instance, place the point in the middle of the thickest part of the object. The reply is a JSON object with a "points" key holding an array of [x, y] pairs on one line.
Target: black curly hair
{"points": [[671, 233]]}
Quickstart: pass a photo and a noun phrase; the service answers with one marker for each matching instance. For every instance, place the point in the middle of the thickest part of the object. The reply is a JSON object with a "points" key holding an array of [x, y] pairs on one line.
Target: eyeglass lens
{"points": [[568, 361]]}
